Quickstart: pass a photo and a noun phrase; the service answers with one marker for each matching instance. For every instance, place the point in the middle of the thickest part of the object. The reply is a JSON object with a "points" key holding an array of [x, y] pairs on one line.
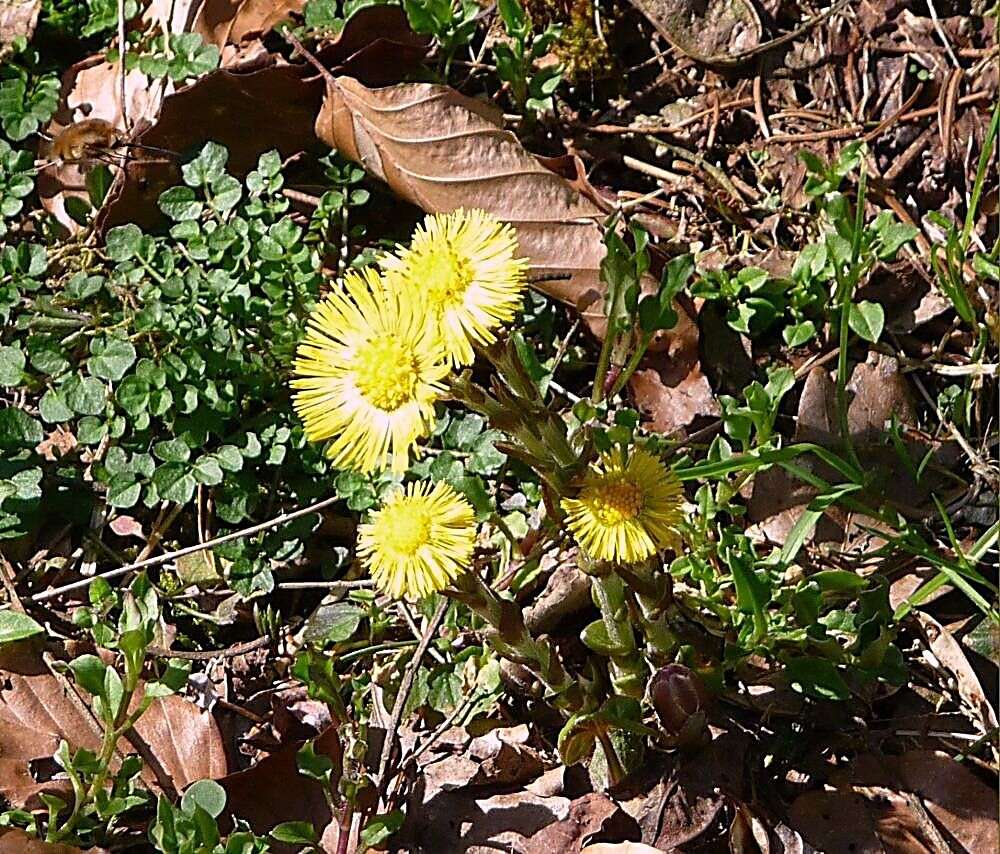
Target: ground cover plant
{"points": [[522, 426]]}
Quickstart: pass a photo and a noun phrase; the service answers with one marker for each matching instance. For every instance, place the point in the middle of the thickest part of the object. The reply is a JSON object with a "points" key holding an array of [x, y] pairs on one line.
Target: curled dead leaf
{"points": [[592, 817], [951, 655], [670, 388], [222, 22]]}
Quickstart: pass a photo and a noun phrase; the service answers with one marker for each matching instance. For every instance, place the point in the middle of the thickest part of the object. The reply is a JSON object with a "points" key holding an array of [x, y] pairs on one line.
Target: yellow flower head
{"points": [[368, 373], [463, 264], [625, 512], [419, 541]]}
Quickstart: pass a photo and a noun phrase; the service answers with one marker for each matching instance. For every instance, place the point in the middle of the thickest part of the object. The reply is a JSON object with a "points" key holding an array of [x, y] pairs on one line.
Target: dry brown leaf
{"points": [[18, 19], [677, 799], [91, 90], [234, 101], [920, 801], [620, 848], [222, 22], [226, 105], [592, 817], [500, 757], [878, 392], [13, 840], [566, 591], [376, 46], [56, 444], [127, 526], [670, 388], [273, 791], [441, 151], [712, 31], [179, 743], [950, 654], [470, 821], [835, 821]]}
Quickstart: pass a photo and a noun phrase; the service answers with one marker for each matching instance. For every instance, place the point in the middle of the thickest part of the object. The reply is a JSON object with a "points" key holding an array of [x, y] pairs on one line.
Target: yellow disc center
{"points": [[405, 529], [447, 278], [386, 375], [617, 501]]}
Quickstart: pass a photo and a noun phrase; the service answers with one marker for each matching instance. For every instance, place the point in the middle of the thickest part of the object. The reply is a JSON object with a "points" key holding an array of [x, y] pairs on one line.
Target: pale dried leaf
{"points": [[442, 151], [950, 654], [18, 19], [13, 840], [715, 32]]}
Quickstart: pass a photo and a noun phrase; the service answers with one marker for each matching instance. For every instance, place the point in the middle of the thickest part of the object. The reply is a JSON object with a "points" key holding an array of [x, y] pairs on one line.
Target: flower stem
{"points": [[512, 640]]}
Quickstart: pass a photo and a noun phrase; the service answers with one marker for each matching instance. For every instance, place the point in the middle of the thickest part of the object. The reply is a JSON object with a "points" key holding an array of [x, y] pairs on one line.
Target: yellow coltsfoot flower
{"points": [[625, 512], [419, 541], [368, 373], [463, 265]]}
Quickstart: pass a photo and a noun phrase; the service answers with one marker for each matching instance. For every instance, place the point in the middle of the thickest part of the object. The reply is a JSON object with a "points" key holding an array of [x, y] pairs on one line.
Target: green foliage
{"points": [[832, 631], [28, 97], [170, 352], [192, 826], [327, 17], [756, 303], [452, 23], [17, 180], [15, 626], [515, 59], [184, 57], [87, 18]]}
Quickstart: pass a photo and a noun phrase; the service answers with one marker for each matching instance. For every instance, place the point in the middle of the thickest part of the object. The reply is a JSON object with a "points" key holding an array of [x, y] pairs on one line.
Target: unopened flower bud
{"points": [[679, 697]]}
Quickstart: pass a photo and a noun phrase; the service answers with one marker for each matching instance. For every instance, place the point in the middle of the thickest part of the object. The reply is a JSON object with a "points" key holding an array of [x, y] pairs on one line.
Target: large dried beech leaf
{"points": [[441, 151], [179, 742]]}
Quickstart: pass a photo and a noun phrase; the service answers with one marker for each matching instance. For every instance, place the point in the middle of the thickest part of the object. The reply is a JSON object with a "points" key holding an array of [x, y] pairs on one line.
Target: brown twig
{"points": [[209, 654], [405, 685], [122, 50], [169, 556], [714, 110]]}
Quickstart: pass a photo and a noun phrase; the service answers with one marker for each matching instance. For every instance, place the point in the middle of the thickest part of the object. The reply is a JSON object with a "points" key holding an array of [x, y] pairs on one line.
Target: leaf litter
{"points": [[438, 150]]}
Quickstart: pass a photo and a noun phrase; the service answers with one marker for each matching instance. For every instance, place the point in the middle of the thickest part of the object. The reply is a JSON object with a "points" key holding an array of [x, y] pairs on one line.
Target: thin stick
{"points": [[402, 696], [169, 556], [332, 586], [209, 654], [122, 50]]}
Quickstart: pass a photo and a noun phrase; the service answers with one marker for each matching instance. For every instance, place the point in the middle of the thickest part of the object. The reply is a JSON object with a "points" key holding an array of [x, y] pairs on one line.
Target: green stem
{"points": [[632, 364], [512, 640], [846, 283], [122, 723], [616, 772]]}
